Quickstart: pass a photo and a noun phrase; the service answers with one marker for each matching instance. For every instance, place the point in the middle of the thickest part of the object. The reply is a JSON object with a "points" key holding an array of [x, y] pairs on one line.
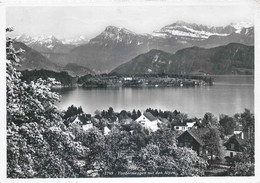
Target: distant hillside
{"points": [[32, 59], [233, 58], [62, 77], [77, 70]]}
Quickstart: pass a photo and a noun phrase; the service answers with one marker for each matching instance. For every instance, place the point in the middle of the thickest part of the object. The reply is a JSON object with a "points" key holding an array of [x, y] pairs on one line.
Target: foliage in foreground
{"points": [[38, 144]]}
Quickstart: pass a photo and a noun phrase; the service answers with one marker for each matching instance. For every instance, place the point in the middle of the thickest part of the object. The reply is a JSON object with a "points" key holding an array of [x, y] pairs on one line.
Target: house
{"points": [[149, 121], [82, 121], [88, 126], [190, 124], [77, 120], [106, 130], [198, 124], [180, 126], [234, 145], [128, 78], [164, 120], [238, 129], [192, 139], [126, 121], [183, 126]]}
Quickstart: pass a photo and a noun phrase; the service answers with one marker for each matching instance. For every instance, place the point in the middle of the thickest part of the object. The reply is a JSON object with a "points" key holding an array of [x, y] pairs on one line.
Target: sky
{"points": [[72, 21]]}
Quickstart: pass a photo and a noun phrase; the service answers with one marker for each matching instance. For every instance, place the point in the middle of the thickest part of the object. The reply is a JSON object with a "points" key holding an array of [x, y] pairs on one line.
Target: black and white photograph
{"points": [[130, 89]]}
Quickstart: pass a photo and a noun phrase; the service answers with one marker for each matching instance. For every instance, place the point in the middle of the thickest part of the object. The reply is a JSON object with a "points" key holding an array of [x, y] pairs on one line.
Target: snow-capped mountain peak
{"points": [[42, 39], [183, 29], [79, 40], [23, 37], [195, 31], [43, 43], [241, 25], [47, 38]]}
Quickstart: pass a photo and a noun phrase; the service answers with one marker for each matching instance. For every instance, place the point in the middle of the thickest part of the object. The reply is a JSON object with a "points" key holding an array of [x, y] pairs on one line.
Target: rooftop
{"points": [[236, 137], [197, 134], [196, 137], [180, 124], [150, 116], [239, 128]]}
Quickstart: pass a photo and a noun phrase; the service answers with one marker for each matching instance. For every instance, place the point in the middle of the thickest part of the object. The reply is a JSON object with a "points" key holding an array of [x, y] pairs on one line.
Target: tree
{"points": [[38, 144], [210, 120], [189, 163], [149, 157], [122, 115], [227, 124], [176, 162], [134, 115], [117, 146], [244, 169], [26, 102], [110, 111], [97, 114], [155, 112], [63, 77], [94, 140], [138, 113], [72, 111], [214, 142], [247, 119], [164, 138], [177, 116]]}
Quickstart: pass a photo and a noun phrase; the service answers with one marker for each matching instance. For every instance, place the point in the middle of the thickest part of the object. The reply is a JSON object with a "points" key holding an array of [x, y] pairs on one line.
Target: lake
{"points": [[228, 95]]}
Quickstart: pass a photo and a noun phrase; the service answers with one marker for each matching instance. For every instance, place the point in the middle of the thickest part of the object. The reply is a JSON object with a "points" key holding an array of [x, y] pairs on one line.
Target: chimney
{"points": [[242, 135]]}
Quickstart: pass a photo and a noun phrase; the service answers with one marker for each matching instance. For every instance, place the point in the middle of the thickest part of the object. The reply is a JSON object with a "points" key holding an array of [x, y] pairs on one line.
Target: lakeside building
{"points": [[234, 145], [183, 126], [193, 139], [149, 121]]}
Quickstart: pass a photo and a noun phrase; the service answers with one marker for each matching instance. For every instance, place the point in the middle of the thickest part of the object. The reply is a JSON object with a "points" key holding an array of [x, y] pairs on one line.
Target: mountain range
{"points": [[33, 60], [234, 58], [44, 44], [115, 46], [194, 31]]}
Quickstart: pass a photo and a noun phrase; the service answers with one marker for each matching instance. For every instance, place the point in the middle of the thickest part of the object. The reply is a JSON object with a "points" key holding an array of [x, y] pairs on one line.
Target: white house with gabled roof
{"points": [[149, 121], [106, 130]]}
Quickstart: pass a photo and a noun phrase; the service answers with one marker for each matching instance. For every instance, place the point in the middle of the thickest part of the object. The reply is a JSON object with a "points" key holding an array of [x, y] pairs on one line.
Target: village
{"points": [[160, 80], [207, 136]]}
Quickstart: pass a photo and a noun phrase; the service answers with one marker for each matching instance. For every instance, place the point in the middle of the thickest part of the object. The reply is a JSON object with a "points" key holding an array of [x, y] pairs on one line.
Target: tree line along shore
{"points": [[119, 80]]}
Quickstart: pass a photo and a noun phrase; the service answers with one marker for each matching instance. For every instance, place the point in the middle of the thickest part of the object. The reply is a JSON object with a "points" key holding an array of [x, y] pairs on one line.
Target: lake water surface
{"points": [[228, 95]]}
